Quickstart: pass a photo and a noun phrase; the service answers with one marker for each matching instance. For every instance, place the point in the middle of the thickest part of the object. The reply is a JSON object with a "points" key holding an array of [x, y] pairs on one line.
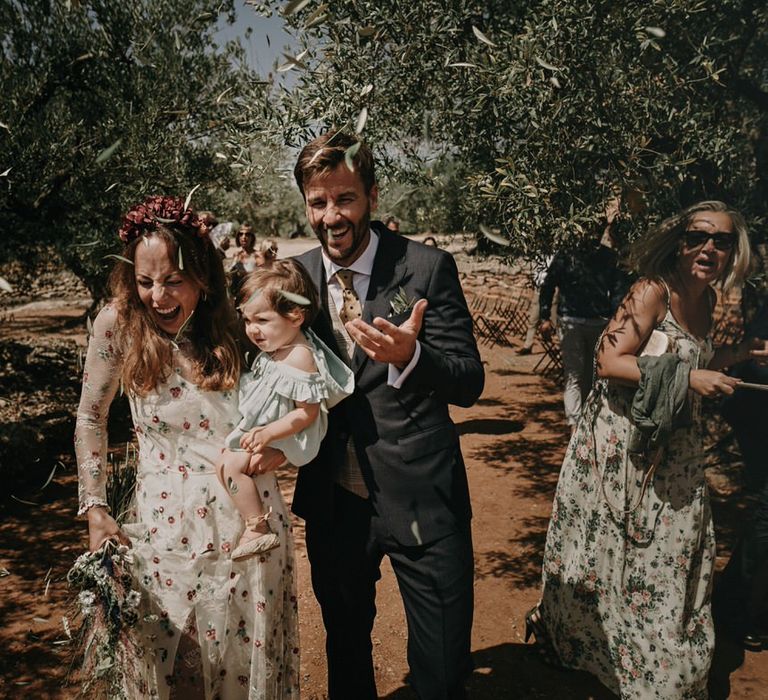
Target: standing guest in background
{"points": [[590, 286], [741, 593], [225, 243], [390, 479], [392, 224], [430, 240], [538, 276], [266, 252], [168, 339], [630, 549], [246, 244], [244, 259], [208, 220]]}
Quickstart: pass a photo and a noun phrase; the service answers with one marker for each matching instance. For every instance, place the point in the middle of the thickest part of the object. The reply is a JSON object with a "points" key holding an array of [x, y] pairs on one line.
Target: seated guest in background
{"points": [[392, 224]]}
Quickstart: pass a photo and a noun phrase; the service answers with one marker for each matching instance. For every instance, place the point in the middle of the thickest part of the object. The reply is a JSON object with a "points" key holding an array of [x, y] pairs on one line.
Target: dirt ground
{"points": [[513, 441]]}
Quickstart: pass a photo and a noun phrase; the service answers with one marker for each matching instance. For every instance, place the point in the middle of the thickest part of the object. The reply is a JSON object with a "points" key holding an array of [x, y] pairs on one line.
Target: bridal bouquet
{"points": [[106, 604], [108, 607]]}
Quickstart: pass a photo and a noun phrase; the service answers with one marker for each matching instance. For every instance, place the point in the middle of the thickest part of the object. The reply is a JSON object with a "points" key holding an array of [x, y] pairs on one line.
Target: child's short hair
{"points": [[282, 276]]}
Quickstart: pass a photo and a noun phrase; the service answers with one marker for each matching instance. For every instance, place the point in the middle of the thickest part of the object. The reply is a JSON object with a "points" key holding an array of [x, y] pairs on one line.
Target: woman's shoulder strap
{"points": [[667, 292]]}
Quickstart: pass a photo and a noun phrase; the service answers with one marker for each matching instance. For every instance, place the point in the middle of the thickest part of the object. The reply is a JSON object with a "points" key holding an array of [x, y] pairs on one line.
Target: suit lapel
{"points": [[388, 271]]}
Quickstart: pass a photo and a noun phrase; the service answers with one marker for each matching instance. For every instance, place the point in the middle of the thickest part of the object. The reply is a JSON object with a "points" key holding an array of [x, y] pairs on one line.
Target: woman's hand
{"points": [[710, 383], [757, 350], [102, 527], [265, 459]]}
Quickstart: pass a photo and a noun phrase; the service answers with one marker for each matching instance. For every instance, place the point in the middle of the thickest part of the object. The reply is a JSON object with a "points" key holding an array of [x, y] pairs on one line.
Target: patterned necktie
{"points": [[350, 306]]}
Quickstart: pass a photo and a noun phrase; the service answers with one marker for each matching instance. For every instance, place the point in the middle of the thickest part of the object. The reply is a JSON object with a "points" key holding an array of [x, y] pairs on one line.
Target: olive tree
{"points": [[551, 106], [104, 103]]}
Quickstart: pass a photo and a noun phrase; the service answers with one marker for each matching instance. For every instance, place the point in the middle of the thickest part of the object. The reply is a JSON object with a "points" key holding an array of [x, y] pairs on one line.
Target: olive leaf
{"points": [[546, 65], [401, 302], [107, 152], [361, 121], [118, 257], [295, 298], [482, 36], [189, 197], [492, 236], [184, 325], [350, 154], [293, 7], [317, 17]]}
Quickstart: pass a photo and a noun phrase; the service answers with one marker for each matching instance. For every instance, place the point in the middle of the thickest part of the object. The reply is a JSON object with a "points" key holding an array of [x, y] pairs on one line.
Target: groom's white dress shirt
{"points": [[362, 267]]}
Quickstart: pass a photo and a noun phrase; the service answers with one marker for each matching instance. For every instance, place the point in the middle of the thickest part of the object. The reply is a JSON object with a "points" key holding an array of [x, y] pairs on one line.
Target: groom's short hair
{"points": [[327, 152]]}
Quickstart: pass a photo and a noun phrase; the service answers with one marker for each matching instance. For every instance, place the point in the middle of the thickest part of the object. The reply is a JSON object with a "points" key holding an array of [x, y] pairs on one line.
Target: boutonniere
{"points": [[400, 303]]}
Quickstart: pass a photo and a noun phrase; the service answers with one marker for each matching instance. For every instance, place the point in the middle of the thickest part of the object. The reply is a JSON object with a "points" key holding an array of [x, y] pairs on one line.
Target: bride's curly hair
{"points": [[147, 351]]}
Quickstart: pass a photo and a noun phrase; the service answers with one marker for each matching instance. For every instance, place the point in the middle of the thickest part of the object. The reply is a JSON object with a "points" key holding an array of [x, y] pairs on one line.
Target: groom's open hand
{"points": [[384, 341]]}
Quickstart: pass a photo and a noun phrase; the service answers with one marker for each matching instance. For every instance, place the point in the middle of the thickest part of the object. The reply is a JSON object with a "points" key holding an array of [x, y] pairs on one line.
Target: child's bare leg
{"points": [[240, 487]]}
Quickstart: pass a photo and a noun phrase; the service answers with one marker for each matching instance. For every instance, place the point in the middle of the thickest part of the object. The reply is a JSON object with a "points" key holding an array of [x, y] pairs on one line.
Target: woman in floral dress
{"points": [[209, 627], [630, 550]]}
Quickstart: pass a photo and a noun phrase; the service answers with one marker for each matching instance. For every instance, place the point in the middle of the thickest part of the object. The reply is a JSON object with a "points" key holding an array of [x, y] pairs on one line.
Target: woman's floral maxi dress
{"points": [[182, 527], [627, 596]]}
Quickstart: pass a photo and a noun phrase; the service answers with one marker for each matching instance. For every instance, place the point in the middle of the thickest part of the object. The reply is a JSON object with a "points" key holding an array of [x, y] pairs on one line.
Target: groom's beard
{"points": [[346, 241]]}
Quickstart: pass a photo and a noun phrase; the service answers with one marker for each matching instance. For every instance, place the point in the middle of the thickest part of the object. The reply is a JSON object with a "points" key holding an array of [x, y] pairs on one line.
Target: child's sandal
{"points": [[263, 543]]}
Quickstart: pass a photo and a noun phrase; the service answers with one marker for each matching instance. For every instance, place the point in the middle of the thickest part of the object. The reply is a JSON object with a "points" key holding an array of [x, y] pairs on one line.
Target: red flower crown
{"points": [[159, 209]]}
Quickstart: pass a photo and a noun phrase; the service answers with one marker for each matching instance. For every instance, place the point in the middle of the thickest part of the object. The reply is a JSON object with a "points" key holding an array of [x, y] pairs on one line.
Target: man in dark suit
{"points": [[389, 479]]}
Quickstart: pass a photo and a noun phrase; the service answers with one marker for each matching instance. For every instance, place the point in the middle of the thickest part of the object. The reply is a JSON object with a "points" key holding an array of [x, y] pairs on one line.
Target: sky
{"points": [[261, 54]]}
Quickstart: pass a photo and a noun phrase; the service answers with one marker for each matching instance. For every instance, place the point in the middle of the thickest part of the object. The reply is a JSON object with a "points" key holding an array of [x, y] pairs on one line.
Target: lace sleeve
{"points": [[101, 378]]}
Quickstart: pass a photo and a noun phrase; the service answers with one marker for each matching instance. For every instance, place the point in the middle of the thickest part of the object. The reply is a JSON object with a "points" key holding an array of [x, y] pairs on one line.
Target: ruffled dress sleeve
{"points": [[338, 378], [101, 379]]}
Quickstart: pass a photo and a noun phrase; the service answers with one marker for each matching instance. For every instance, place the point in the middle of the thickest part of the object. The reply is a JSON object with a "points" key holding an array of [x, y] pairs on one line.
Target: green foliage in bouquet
{"points": [[108, 607], [106, 600], [121, 483]]}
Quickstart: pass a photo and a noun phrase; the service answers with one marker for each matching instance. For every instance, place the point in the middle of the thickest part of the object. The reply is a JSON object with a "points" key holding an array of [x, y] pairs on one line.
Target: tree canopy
{"points": [[105, 103], [550, 106]]}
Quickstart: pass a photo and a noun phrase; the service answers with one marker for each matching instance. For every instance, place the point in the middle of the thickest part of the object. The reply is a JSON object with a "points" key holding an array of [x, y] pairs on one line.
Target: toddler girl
{"points": [[285, 397]]}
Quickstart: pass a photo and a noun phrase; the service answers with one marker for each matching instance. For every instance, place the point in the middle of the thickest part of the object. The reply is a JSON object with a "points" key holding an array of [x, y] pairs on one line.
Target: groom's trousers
{"points": [[436, 584]]}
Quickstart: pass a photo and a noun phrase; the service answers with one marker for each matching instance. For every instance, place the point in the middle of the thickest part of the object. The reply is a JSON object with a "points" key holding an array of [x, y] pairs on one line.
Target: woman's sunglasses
{"points": [[698, 239]]}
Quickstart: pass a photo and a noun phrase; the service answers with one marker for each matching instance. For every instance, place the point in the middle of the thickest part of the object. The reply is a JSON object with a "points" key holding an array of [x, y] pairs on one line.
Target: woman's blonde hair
{"points": [[655, 254], [147, 352]]}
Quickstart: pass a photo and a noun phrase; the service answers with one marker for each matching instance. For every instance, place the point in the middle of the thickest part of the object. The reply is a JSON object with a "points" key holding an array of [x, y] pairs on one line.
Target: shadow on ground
{"points": [[515, 671]]}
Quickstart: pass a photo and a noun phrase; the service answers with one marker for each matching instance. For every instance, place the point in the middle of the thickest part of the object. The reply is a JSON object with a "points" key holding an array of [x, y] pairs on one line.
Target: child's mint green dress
{"points": [[270, 389]]}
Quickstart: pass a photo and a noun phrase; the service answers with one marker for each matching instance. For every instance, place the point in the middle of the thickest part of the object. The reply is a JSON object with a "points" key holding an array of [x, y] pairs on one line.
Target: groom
{"points": [[389, 479]]}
